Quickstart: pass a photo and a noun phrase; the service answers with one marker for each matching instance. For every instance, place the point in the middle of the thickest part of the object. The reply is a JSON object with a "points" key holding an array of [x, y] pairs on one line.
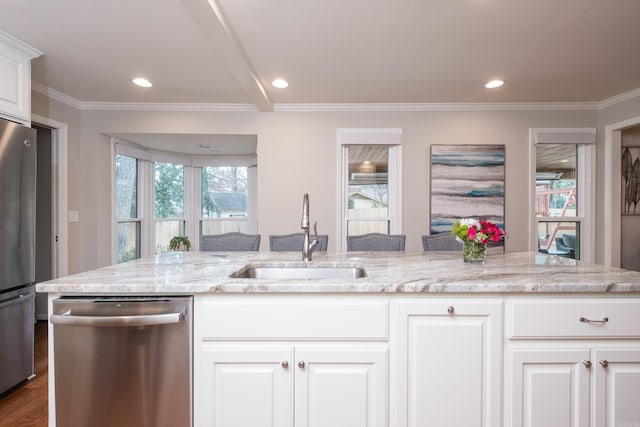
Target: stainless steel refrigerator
{"points": [[17, 252]]}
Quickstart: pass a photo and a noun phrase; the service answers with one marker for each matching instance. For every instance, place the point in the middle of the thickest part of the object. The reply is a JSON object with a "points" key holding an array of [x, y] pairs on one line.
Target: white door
{"points": [[617, 374], [244, 387], [449, 364], [550, 388], [340, 388]]}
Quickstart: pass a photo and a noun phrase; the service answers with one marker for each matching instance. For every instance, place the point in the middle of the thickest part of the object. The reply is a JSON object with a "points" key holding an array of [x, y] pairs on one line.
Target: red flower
{"points": [[471, 233]]}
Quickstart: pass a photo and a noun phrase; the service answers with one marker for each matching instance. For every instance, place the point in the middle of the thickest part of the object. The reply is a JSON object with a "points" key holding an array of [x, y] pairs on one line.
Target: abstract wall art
{"points": [[467, 181]]}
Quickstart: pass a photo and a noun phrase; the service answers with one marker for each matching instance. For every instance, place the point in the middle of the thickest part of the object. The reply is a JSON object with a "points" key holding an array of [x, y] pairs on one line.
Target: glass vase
{"points": [[474, 252]]}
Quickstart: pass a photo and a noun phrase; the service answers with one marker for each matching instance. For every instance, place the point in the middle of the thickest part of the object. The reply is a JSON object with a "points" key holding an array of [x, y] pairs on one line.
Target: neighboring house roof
{"points": [[229, 202]]}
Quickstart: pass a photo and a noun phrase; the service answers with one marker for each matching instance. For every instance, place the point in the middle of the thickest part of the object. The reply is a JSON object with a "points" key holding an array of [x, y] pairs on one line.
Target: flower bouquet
{"points": [[474, 235]]}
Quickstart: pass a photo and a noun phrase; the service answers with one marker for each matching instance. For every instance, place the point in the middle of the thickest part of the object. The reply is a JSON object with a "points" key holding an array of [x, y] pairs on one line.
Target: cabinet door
{"points": [[244, 387], [449, 364], [340, 388], [617, 373], [15, 84], [550, 388]]}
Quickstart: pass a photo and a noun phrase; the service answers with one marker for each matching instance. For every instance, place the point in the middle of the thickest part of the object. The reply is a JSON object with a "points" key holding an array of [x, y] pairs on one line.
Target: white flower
{"points": [[469, 222]]}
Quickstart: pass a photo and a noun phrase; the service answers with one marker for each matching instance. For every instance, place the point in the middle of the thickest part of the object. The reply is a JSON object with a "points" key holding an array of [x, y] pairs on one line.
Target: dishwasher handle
{"points": [[125, 321]]}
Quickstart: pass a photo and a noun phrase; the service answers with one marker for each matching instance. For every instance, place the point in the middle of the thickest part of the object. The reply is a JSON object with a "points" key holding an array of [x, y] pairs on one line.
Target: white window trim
{"points": [[586, 140], [370, 136]]}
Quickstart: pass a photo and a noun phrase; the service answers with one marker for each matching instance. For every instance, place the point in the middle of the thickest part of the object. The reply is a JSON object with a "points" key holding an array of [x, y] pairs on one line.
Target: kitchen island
{"points": [[424, 339]]}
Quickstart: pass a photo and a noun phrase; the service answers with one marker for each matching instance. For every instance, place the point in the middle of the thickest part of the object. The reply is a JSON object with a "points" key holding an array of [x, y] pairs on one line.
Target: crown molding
{"points": [[342, 107], [27, 50], [440, 107], [157, 106], [619, 98], [137, 106], [55, 95]]}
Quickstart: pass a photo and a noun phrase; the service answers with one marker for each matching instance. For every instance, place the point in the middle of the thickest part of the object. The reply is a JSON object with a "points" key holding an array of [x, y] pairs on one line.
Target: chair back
{"points": [[376, 242], [440, 242], [293, 242], [230, 242]]}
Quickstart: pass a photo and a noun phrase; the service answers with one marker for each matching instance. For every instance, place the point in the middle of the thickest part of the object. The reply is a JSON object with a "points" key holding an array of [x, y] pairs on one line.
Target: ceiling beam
{"points": [[208, 15]]}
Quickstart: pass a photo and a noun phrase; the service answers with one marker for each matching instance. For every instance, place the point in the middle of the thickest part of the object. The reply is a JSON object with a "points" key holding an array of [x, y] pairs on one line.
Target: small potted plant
{"points": [[179, 243]]}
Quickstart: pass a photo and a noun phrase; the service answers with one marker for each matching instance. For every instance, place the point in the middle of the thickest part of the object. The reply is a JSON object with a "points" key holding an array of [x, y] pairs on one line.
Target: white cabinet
{"points": [[340, 388], [617, 376], [285, 361], [573, 363], [449, 363], [260, 386], [550, 387], [15, 78]]}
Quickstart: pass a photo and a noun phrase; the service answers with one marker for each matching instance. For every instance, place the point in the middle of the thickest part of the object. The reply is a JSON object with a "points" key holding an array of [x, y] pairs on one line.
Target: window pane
{"points": [[355, 228], [126, 187], [224, 192], [559, 238], [219, 226], [368, 187], [128, 241], [165, 231], [169, 190], [556, 190]]}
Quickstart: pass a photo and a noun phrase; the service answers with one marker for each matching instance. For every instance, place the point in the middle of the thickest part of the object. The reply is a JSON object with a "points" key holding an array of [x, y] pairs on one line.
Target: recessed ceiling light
{"points": [[564, 161], [280, 83], [494, 84], [142, 82]]}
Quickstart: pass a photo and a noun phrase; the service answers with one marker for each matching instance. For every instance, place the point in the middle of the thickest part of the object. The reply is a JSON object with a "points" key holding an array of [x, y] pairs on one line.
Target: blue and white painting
{"points": [[467, 181]]}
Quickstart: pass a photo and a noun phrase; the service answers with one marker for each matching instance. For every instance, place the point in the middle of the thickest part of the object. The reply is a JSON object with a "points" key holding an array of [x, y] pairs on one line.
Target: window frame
{"points": [[585, 141], [391, 137], [140, 176]]}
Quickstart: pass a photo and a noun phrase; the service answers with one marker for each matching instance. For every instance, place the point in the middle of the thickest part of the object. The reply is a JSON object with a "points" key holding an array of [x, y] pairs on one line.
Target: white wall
{"points": [[297, 154]]}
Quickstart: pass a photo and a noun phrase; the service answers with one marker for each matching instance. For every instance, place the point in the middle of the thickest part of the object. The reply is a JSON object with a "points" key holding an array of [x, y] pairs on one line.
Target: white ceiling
{"points": [[331, 51]]}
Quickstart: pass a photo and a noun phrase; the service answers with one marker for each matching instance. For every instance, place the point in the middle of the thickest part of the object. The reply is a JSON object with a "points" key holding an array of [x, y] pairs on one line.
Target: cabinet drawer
{"points": [[574, 319], [292, 319]]}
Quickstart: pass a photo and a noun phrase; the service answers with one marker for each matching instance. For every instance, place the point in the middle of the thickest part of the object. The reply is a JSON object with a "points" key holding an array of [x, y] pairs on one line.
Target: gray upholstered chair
{"points": [[440, 242], [376, 242], [293, 242], [230, 242]]}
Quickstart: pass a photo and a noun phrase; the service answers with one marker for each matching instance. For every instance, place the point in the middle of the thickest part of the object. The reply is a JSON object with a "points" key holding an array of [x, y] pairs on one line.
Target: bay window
{"points": [[158, 195]]}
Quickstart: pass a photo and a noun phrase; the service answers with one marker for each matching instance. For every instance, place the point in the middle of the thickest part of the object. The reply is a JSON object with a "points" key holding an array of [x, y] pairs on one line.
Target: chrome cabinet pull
{"points": [[301, 364], [604, 363], [450, 309], [587, 363], [285, 364], [585, 320]]}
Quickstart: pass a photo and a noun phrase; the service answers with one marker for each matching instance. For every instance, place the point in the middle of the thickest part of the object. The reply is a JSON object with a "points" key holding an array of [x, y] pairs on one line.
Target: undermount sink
{"points": [[299, 272]]}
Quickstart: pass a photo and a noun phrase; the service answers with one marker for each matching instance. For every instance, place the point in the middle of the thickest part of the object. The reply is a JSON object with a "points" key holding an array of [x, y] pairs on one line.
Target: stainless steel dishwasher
{"points": [[122, 361]]}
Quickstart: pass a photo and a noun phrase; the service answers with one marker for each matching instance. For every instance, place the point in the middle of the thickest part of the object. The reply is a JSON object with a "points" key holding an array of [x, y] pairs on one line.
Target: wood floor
{"points": [[26, 405]]}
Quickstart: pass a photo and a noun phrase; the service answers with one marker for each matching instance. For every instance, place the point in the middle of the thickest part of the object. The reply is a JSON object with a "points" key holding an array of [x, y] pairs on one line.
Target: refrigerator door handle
{"points": [[17, 300], [125, 321]]}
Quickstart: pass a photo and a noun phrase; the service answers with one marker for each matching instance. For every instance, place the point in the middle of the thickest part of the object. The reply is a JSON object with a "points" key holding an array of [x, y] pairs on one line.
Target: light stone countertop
{"points": [[208, 272]]}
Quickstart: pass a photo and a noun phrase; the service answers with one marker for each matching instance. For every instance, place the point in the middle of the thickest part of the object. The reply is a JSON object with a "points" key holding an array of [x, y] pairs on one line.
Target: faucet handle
{"points": [[315, 229]]}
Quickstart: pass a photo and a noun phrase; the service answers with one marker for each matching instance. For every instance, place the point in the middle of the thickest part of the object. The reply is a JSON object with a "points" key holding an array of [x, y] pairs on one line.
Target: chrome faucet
{"points": [[308, 246]]}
